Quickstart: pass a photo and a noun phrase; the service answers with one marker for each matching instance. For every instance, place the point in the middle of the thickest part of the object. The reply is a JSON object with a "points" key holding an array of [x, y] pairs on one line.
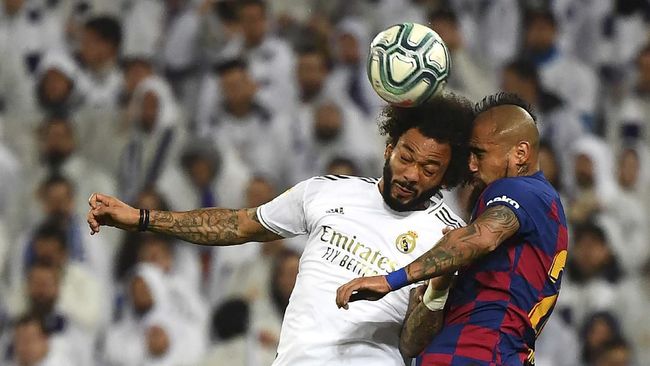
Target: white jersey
{"points": [[351, 233]]}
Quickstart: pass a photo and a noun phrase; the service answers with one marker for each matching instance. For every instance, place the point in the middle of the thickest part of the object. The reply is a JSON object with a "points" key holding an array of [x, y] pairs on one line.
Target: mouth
{"points": [[403, 191]]}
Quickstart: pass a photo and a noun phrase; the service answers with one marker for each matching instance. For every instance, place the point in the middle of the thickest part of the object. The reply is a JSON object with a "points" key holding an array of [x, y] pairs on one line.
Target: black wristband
{"points": [[143, 225]]}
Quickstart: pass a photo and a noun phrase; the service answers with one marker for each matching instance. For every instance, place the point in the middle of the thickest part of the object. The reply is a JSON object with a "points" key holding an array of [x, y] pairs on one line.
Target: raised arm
{"points": [[461, 247], [206, 226], [455, 250]]}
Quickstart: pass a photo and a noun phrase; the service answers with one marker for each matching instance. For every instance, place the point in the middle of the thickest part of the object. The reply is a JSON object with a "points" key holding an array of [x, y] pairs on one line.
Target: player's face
{"points": [[489, 160], [414, 170]]}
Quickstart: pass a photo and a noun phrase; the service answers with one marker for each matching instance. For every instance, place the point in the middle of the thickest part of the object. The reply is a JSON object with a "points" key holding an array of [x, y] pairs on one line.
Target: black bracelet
{"points": [[143, 224]]}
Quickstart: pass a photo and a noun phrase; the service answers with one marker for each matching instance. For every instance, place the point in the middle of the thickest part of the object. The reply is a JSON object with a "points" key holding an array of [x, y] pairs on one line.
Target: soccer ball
{"points": [[408, 64]]}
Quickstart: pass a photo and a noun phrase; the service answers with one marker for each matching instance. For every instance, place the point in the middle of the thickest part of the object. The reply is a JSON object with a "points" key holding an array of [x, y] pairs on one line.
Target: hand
{"points": [[109, 211], [364, 288]]}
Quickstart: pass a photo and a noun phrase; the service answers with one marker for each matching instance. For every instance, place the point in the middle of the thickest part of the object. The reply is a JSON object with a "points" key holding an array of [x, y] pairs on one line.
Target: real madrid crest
{"points": [[405, 243]]}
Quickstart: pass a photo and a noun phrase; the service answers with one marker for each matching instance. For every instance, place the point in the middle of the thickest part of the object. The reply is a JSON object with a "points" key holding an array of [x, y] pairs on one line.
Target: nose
{"points": [[473, 163], [411, 173]]}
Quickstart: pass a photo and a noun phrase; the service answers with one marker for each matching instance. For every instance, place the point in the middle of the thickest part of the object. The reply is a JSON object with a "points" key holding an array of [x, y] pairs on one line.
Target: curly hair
{"points": [[447, 118]]}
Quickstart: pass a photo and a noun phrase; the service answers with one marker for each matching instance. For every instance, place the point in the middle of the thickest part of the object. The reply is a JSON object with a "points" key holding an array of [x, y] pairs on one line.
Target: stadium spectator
{"points": [[58, 154], [631, 306], [267, 315], [332, 130], [32, 345], [591, 188], [156, 138], [593, 274], [230, 328], [71, 287], [341, 166], [560, 73], [136, 69], [549, 164], [244, 271], [349, 73], [492, 29], [59, 89], [270, 59], [99, 49], [615, 353], [261, 138], [598, 330], [558, 123], [150, 328], [180, 271], [469, 78], [209, 177]]}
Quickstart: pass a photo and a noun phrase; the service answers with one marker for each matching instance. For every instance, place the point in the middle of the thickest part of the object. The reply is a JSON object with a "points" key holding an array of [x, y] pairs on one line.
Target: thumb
{"points": [[447, 229]]}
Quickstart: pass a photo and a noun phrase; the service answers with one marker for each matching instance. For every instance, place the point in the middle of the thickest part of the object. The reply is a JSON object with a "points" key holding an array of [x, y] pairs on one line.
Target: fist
{"points": [[109, 211]]}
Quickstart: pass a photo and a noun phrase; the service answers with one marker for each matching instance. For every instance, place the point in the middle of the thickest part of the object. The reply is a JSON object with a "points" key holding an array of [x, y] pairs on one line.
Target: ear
{"points": [[522, 152], [388, 151]]}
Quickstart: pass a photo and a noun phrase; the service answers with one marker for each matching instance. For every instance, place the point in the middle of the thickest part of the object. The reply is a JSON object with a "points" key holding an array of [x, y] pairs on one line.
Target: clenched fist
{"points": [[109, 211]]}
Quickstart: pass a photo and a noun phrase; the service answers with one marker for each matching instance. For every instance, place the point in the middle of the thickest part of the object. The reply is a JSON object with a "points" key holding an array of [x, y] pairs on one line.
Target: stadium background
{"points": [[179, 104]]}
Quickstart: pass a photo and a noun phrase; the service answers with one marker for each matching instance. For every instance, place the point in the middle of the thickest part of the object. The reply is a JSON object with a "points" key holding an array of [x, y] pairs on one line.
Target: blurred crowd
{"points": [[179, 104]]}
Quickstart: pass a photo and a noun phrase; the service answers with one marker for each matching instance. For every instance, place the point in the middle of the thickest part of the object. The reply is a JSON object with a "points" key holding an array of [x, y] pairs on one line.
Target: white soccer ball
{"points": [[408, 64]]}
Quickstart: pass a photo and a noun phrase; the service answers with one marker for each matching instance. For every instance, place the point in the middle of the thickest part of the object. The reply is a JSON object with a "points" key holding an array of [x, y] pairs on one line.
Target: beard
{"points": [[414, 204]]}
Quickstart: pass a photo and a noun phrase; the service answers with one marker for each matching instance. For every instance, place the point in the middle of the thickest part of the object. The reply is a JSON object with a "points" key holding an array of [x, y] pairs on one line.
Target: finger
{"points": [[92, 200], [347, 293], [341, 300], [447, 229], [362, 295]]}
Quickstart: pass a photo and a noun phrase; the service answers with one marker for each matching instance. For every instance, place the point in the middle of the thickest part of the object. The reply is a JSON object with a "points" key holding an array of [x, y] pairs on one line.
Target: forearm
{"points": [[208, 226], [463, 246], [420, 326]]}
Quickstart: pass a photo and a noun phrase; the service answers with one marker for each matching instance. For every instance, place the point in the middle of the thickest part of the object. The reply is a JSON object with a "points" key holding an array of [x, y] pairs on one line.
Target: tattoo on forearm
{"points": [[209, 226], [420, 326], [463, 246]]}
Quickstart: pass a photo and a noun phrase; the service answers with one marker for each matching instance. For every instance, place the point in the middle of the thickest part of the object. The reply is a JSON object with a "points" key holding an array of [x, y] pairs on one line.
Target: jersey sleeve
{"points": [[517, 196], [285, 215]]}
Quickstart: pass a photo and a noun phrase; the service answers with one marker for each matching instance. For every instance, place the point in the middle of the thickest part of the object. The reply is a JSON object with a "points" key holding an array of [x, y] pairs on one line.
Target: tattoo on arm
{"points": [[419, 328], [461, 247], [211, 226]]}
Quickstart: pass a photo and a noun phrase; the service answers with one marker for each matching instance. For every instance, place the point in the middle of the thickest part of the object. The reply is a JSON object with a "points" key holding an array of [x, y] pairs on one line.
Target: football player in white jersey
{"points": [[355, 227]]}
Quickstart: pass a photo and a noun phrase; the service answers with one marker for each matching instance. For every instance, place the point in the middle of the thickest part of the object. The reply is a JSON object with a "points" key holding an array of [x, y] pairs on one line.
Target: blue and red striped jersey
{"points": [[501, 302]]}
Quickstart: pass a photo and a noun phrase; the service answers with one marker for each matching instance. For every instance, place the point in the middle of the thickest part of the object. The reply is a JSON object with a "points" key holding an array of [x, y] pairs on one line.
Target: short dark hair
{"points": [[589, 228], [312, 49], [223, 67], [230, 319], [502, 98], [541, 13], [447, 118], [54, 179], [51, 229], [525, 69], [260, 3], [108, 29]]}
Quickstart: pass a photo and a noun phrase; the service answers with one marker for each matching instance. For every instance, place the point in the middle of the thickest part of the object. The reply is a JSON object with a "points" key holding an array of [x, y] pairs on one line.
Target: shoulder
{"points": [[349, 180], [441, 211], [335, 186]]}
